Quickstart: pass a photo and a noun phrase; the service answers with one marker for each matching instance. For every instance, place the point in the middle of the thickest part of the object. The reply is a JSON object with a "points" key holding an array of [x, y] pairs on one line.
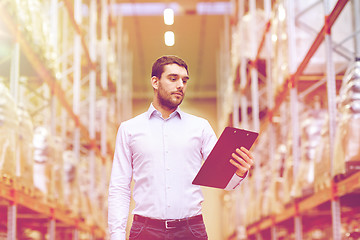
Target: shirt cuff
{"points": [[234, 182], [118, 236]]}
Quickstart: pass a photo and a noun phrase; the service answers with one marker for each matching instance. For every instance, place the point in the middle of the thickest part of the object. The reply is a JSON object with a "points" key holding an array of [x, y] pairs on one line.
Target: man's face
{"points": [[171, 86]]}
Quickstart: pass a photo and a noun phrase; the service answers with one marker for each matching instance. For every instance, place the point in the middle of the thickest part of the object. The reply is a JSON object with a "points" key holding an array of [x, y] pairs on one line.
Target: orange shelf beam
{"points": [[40, 206], [111, 84], [46, 76], [253, 63], [292, 80], [343, 188]]}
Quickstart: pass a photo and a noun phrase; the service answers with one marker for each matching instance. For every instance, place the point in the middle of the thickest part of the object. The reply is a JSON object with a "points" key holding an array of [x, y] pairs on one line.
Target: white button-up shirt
{"points": [[162, 156]]}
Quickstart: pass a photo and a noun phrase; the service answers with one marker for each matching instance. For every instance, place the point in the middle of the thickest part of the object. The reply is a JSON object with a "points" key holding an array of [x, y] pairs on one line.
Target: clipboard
{"points": [[217, 170]]}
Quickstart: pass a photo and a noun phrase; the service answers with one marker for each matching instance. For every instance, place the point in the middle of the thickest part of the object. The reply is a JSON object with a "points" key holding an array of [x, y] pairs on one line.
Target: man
{"points": [[162, 151]]}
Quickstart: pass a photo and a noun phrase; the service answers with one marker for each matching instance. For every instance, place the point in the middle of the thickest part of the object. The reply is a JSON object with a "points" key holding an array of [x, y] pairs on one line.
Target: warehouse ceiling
{"points": [[197, 41]]}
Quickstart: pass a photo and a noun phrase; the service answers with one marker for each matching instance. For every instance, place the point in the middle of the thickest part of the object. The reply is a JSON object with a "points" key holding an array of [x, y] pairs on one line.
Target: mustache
{"points": [[178, 92]]}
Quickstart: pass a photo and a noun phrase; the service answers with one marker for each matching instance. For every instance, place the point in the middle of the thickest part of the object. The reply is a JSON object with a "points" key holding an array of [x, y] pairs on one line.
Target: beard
{"points": [[169, 100]]}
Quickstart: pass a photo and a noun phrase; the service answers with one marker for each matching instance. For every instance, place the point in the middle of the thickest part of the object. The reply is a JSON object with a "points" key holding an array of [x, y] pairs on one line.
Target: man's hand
{"points": [[243, 160]]}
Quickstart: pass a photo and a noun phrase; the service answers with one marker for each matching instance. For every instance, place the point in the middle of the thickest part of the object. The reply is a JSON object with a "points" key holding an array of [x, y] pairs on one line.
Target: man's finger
{"points": [[247, 157]]}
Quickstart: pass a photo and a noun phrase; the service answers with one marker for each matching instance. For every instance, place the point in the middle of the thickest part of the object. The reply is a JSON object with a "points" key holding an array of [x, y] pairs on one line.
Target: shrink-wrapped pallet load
{"points": [[322, 177], [311, 126], [25, 160], [347, 147], [288, 183], [56, 191], [282, 164], [70, 182], [43, 153], [99, 203], [279, 47], [309, 21], [277, 181], [251, 214], [265, 172], [9, 124], [85, 206], [262, 209], [248, 36], [48, 166]]}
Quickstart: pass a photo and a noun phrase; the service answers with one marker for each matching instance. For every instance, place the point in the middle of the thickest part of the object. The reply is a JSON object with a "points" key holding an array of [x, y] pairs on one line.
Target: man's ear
{"points": [[155, 82]]}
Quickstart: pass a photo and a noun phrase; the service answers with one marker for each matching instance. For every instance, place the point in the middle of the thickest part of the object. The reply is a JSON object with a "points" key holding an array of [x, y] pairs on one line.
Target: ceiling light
{"points": [[282, 13], [274, 37], [169, 38], [169, 16]]}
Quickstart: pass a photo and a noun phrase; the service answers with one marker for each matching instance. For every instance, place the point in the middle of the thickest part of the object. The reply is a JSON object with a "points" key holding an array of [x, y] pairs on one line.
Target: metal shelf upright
{"points": [[65, 76], [274, 106]]}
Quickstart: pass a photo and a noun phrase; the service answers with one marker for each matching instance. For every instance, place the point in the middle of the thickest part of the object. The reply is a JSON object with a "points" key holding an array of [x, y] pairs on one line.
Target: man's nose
{"points": [[180, 84]]}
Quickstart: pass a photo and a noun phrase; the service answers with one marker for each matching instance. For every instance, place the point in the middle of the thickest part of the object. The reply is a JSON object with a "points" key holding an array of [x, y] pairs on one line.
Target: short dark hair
{"points": [[158, 66]]}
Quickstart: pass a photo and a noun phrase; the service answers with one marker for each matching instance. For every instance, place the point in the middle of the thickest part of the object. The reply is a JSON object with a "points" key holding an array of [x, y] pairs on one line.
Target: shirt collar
{"points": [[152, 110]]}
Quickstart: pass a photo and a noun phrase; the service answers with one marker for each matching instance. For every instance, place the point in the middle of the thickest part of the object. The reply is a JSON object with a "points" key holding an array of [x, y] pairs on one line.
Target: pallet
{"points": [[322, 181], [7, 180], [38, 194], [27, 190]]}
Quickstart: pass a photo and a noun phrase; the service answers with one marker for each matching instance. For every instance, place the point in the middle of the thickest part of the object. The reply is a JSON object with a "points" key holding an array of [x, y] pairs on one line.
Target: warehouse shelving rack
{"points": [[336, 191], [66, 76], [245, 75], [20, 205]]}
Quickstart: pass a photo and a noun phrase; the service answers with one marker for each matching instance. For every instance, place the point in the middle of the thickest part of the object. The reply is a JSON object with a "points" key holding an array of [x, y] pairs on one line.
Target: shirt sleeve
{"points": [[234, 182], [209, 140], [119, 187]]}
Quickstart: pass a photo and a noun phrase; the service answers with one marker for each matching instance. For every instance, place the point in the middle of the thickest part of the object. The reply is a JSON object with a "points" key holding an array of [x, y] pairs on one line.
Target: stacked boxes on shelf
{"points": [[347, 151], [279, 182], [40, 156], [9, 125]]}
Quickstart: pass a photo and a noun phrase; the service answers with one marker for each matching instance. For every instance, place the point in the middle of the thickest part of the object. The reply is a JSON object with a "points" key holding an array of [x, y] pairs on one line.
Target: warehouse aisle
{"points": [[72, 71]]}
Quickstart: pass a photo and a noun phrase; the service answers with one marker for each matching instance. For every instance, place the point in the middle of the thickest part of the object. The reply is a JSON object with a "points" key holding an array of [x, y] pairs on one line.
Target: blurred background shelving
{"points": [[72, 71], [302, 75], [59, 69]]}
